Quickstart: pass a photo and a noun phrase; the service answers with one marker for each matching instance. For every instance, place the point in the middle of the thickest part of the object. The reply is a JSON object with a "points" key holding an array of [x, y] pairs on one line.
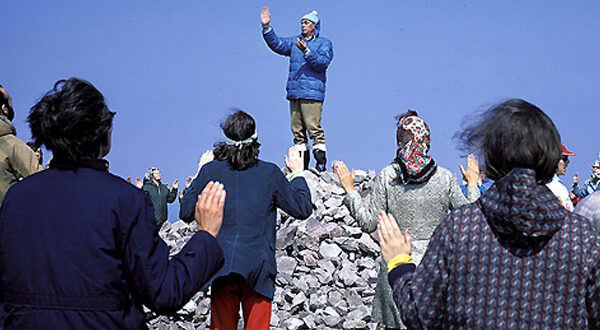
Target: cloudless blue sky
{"points": [[172, 70]]}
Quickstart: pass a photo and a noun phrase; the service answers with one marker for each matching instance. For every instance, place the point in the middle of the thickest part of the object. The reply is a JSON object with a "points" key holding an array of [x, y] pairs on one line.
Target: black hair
{"points": [[35, 147], [513, 134], [238, 126], [4, 101], [72, 120]]}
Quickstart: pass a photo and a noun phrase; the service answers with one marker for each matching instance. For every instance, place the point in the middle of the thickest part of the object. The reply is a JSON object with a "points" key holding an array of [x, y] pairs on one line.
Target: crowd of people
{"points": [[512, 248]]}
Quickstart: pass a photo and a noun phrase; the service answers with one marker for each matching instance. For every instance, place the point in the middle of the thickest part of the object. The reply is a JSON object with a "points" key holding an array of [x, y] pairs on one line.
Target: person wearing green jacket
{"points": [[159, 193], [17, 160]]}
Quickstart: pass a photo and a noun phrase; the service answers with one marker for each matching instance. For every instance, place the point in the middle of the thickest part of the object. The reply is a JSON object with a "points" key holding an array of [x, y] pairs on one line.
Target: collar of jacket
{"points": [[517, 206], [423, 176], [6, 126], [96, 164]]}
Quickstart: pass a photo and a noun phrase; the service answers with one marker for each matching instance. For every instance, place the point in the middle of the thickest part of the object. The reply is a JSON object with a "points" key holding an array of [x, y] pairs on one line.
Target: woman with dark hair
{"points": [[515, 259], [255, 189], [88, 255], [417, 191]]}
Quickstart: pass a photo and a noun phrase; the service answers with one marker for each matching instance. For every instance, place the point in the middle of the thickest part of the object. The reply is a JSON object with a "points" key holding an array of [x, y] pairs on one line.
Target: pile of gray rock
{"points": [[327, 267]]}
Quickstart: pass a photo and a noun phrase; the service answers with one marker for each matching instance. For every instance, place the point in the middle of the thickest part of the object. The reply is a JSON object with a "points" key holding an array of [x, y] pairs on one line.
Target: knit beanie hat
{"points": [[312, 16]]}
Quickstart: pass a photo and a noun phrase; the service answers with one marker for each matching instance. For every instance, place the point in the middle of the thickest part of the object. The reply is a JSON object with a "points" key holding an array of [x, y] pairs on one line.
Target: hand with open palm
{"points": [[265, 16]]}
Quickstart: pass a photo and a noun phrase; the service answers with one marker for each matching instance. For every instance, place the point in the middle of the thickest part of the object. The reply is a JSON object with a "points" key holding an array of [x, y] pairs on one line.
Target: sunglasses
{"points": [[564, 158]]}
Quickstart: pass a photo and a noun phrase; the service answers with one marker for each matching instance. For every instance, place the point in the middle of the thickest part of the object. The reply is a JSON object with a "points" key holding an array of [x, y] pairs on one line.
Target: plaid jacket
{"points": [[515, 259]]}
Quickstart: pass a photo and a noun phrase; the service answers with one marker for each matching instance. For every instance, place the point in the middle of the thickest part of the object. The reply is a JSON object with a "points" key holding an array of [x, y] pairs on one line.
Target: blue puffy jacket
{"points": [[307, 72]]}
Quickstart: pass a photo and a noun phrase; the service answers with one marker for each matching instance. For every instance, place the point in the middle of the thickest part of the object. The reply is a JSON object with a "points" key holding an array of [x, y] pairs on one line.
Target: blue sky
{"points": [[172, 70]]}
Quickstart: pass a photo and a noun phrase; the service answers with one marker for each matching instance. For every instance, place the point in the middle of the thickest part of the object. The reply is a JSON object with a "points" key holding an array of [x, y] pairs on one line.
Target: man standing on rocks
{"points": [[310, 55], [159, 193], [17, 160]]}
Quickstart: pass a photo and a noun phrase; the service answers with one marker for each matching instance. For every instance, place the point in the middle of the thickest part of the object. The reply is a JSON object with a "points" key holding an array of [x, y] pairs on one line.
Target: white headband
{"points": [[240, 144]]}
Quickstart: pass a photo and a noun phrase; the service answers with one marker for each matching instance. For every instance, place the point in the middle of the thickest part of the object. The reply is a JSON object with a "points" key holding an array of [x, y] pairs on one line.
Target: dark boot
{"points": [[306, 159], [320, 159]]}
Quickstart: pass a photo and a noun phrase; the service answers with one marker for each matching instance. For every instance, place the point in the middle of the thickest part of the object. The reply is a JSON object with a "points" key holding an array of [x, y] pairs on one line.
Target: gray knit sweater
{"points": [[418, 207]]}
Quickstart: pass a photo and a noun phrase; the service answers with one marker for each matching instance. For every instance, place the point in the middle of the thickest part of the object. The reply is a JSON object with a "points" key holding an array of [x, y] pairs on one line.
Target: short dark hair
{"points": [[72, 120], [238, 126], [4, 101], [513, 134]]}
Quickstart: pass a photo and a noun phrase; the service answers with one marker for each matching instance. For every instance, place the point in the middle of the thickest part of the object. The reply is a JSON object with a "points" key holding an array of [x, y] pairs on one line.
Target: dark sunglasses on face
{"points": [[564, 158]]}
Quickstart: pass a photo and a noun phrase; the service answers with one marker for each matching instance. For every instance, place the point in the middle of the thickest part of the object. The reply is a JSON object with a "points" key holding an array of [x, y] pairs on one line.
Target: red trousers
{"points": [[227, 294]]}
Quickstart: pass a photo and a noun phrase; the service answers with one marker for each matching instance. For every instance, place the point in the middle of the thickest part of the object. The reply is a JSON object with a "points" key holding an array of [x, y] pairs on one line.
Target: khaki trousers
{"points": [[306, 116]]}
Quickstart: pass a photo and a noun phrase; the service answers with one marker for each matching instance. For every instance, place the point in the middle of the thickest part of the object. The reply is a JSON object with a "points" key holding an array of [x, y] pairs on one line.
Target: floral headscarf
{"points": [[413, 146]]}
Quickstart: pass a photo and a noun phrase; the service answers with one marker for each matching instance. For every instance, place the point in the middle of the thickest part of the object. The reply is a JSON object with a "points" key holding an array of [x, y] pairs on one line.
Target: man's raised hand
{"points": [[301, 44], [392, 241], [293, 161], [209, 208], [265, 16], [188, 182]]}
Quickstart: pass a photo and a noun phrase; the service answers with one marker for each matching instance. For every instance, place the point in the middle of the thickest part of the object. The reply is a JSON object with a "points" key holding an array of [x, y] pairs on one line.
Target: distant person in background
{"points": [[79, 248], [159, 193], [417, 191], [310, 55], [255, 189], [591, 185], [556, 185], [37, 150], [17, 160], [515, 259]]}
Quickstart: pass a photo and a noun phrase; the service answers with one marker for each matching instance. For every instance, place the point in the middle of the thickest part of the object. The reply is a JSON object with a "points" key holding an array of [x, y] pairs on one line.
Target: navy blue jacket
{"points": [[306, 79], [247, 235], [79, 249]]}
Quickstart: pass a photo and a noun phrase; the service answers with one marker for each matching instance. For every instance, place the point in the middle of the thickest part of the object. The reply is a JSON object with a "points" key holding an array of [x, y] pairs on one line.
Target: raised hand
{"points": [[391, 239], [265, 16], [293, 160], [471, 174], [301, 44], [188, 182], [209, 208], [139, 183], [206, 158], [345, 177], [176, 184]]}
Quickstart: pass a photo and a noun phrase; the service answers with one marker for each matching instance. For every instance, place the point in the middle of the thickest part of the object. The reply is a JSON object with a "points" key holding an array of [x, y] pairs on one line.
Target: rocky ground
{"points": [[327, 267]]}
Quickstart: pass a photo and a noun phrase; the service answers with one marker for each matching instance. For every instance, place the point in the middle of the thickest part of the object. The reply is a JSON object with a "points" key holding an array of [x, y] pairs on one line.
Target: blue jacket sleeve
{"points": [[161, 284], [281, 46], [319, 59], [581, 190], [292, 197]]}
